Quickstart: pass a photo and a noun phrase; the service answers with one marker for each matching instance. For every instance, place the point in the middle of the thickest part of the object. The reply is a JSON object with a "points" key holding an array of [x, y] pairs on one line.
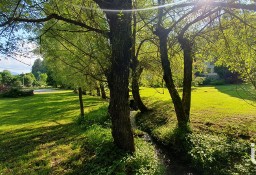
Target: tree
{"points": [[38, 68], [6, 77], [136, 68], [187, 24], [29, 79], [118, 73], [230, 40], [42, 79]]}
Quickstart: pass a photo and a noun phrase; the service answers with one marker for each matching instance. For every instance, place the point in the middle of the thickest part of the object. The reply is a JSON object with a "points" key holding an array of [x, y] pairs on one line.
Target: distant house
{"points": [[209, 70]]}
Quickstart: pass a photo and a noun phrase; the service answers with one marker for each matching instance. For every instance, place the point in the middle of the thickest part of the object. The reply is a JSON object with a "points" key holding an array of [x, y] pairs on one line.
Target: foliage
{"points": [[213, 81], [17, 81], [6, 77], [232, 46], [228, 76], [219, 154], [71, 61], [198, 81], [38, 68], [29, 79], [15, 93]]}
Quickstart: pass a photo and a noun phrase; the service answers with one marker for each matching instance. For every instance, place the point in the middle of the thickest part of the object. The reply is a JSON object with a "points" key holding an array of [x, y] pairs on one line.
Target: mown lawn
{"points": [[43, 134], [221, 109]]}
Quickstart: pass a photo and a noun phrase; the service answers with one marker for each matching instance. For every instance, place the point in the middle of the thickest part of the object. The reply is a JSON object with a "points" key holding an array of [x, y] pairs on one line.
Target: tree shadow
{"points": [[242, 91], [46, 108], [60, 147]]}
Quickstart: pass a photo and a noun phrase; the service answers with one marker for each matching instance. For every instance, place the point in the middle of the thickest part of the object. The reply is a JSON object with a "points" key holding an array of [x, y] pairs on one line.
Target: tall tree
{"points": [[38, 68]]}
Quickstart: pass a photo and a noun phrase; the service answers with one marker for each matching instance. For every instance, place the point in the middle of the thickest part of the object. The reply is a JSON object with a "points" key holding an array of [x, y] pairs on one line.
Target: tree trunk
{"points": [[98, 91], [120, 40], [136, 72], [80, 92], [168, 78], [103, 93], [187, 80], [136, 90]]}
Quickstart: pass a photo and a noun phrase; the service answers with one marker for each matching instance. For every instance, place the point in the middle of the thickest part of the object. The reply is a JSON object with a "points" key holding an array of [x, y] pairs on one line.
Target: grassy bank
{"points": [[41, 135], [223, 125]]}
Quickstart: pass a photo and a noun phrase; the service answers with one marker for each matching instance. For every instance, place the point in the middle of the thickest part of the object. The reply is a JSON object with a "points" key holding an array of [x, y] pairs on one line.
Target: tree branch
{"points": [[58, 17]]}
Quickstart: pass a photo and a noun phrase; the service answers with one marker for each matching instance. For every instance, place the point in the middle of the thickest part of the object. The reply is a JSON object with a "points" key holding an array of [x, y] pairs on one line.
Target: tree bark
{"points": [[80, 92], [187, 80], [98, 91], [120, 40], [136, 89], [136, 72], [103, 93], [168, 78]]}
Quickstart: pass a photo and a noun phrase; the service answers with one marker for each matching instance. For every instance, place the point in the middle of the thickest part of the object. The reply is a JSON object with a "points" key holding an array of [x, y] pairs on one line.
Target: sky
{"points": [[20, 62]]}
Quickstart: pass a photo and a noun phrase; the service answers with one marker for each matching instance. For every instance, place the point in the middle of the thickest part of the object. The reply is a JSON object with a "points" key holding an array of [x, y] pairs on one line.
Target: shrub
{"points": [[217, 82], [199, 81], [15, 93], [220, 155], [213, 81]]}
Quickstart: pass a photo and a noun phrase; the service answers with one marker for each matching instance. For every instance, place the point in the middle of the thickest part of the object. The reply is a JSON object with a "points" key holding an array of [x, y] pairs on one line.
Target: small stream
{"points": [[172, 164]]}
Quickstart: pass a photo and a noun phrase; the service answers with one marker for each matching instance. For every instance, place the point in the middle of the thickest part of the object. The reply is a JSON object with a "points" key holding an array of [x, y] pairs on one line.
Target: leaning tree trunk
{"points": [[80, 92], [187, 80], [120, 39], [136, 72], [103, 93], [98, 91], [168, 78]]}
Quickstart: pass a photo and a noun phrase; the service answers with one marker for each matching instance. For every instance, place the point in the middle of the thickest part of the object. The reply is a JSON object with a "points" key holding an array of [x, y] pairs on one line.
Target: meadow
{"points": [[43, 134]]}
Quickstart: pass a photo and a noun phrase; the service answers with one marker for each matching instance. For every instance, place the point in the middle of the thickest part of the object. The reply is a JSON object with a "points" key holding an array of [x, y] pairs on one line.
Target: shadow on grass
{"points": [[42, 107], [63, 148], [242, 91], [23, 141], [105, 159]]}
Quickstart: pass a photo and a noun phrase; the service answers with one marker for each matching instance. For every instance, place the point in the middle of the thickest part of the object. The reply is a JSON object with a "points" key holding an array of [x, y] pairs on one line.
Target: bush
{"points": [[213, 81], [15, 93], [219, 154], [199, 81], [217, 82]]}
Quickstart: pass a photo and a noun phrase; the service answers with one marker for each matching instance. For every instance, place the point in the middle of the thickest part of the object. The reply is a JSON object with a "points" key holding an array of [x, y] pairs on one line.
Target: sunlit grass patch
{"points": [[41, 135], [216, 108]]}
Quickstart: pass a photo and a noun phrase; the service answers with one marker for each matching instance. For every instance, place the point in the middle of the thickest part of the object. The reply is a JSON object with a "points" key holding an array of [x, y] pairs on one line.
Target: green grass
{"points": [[215, 109], [40, 135], [223, 124]]}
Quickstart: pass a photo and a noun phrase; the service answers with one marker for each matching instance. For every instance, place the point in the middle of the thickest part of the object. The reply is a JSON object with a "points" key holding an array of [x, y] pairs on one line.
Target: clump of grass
{"points": [[97, 115]]}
